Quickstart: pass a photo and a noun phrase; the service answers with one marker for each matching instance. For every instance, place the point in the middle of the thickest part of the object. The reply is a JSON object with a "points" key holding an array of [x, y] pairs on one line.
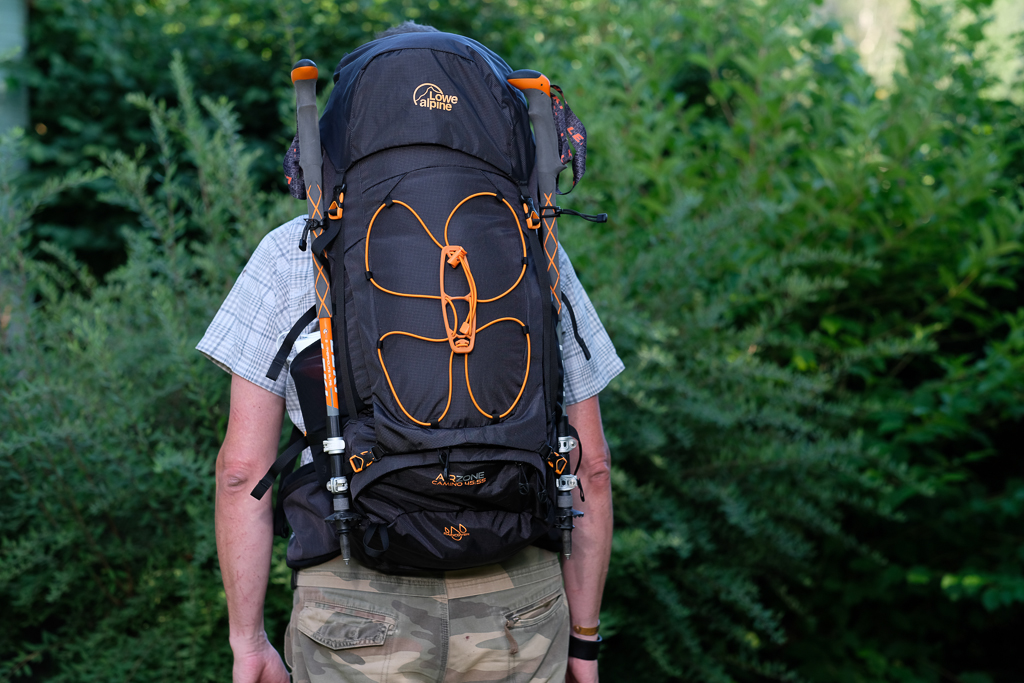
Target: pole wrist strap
{"points": [[584, 649]]}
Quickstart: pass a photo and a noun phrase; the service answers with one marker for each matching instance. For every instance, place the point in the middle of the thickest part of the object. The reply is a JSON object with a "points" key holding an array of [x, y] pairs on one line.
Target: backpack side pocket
{"points": [[306, 503]]}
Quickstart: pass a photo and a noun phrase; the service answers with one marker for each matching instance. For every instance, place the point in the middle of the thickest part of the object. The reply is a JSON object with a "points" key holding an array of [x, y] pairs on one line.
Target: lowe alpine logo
{"points": [[456, 533], [459, 479], [429, 96]]}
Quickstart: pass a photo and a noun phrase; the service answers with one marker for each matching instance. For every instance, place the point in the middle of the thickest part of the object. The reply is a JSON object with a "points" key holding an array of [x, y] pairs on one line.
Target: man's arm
{"points": [[586, 569], [245, 527]]}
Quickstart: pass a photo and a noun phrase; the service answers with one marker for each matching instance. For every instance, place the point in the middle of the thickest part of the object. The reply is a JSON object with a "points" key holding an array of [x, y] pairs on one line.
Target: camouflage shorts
{"points": [[507, 622]]}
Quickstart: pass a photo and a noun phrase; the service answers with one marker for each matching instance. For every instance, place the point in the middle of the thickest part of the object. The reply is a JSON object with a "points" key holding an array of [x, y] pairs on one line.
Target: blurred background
{"points": [[812, 270]]}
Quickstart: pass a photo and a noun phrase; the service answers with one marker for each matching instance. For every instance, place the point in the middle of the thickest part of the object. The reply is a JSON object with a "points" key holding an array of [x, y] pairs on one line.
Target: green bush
{"points": [[112, 420], [813, 283], [85, 57]]}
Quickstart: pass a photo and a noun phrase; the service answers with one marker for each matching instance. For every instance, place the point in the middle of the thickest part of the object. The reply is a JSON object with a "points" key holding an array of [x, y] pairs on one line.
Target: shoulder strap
{"points": [[296, 444], [282, 353], [575, 327]]}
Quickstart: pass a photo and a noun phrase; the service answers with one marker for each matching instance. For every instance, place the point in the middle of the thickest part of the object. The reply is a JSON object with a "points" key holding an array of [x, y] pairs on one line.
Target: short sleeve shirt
{"points": [[276, 287]]}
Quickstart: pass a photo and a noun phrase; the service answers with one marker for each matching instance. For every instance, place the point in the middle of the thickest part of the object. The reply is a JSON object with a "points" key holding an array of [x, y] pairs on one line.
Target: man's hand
{"points": [[581, 671], [258, 662]]}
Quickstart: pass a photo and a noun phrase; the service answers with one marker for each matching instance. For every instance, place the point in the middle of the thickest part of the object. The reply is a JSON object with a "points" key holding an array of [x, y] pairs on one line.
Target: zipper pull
{"points": [[443, 456], [513, 646]]}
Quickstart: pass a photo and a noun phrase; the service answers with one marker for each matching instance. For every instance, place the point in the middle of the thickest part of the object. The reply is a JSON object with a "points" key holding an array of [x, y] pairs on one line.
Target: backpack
{"points": [[442, 443]]}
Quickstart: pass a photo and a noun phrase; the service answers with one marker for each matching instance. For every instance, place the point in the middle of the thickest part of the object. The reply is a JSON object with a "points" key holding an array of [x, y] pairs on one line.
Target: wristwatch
{"points": [[584, 649]]}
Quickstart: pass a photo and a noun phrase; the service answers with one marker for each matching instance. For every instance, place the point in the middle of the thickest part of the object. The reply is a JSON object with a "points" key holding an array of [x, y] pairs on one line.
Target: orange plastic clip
{"points": [[359, 463], [456, 257], [532, 218], [463, 338]]}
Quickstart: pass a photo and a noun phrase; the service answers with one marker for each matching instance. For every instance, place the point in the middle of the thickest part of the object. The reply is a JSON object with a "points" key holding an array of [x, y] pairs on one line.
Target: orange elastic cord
{"points": [[366, 251], [460, 337], [522, 272], [394, 393], [522, 238], [529, 350]]}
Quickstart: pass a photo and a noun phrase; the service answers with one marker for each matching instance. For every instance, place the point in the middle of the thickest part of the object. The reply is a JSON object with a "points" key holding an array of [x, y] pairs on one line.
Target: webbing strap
{"points": [[282, 353], [296, 445], [575, 327], [380, 529], [321, 242]]}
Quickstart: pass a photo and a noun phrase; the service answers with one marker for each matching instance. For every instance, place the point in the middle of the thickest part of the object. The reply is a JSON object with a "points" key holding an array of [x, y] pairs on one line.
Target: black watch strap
{"points": [[584, 649]]}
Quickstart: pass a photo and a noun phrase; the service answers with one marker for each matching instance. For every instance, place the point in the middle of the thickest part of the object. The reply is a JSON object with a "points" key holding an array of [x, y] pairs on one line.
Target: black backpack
{"points": [[435, 293]]}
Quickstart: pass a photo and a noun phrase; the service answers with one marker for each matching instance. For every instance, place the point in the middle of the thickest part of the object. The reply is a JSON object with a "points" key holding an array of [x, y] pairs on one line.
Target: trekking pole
{"points": [[304, 75], [537, 89]]}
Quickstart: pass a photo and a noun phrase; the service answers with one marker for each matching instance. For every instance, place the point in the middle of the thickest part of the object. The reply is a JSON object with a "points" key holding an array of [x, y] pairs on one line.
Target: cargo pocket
{"points": [[350, 642], [338, 627], [538, 618]]}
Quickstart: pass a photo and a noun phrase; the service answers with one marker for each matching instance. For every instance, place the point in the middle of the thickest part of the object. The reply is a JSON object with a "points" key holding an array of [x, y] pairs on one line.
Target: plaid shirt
{"points": [[276, 288]]}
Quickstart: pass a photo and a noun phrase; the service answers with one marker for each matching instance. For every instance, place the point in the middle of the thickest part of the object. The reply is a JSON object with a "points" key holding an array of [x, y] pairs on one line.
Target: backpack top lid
{"points": [[427, 89]]}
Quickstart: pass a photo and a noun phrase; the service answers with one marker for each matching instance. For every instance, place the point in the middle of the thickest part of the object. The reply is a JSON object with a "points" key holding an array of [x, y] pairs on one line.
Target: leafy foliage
{"points": [[810, 277], [112, 420], [813, 282], [85, 57]]}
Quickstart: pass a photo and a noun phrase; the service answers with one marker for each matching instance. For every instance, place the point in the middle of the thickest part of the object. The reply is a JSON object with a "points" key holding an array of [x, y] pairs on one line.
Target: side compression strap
{"points": [[296, 445], [282, 353]]}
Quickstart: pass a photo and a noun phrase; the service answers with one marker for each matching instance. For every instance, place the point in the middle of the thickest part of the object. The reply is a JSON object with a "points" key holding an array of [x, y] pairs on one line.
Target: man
{"points": [[501, 622]]}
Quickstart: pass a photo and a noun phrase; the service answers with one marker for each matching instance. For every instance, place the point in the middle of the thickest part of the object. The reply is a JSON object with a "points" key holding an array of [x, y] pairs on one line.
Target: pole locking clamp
{"points": [[337, 485], [567, 482], [566, 444], [334, 445]]}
